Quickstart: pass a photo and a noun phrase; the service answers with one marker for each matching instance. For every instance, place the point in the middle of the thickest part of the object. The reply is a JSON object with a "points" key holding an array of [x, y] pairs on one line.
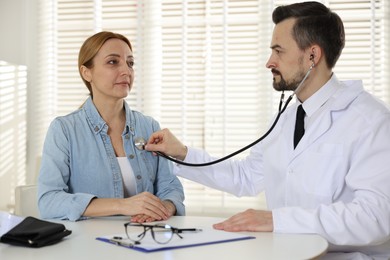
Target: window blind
{"points": [[200, 68], [13, 129], [363, 56], [213, 96]]}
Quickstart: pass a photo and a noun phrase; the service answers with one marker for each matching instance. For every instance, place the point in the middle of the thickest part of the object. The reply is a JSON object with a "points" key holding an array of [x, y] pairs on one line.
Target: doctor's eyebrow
{"points": [[275, 46]]}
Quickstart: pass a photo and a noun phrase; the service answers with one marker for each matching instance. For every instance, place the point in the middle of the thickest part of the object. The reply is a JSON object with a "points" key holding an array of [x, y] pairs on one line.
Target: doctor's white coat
{"points": [[336, 183]]}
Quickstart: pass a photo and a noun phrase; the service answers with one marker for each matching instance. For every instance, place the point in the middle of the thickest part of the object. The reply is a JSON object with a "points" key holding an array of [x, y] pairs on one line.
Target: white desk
{"points": [[82, 244]]}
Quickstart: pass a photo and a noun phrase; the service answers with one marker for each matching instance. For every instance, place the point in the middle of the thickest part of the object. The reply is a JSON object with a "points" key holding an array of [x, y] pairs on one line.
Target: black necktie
{"points": [[299, 125]]}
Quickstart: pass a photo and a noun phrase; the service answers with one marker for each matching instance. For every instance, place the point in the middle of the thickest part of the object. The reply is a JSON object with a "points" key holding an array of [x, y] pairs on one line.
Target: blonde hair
{"points": [[91, 47]]}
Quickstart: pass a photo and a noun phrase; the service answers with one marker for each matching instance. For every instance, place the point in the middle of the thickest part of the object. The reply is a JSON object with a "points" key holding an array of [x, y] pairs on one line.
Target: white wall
{"points": [[18, 45], [13, 31]]}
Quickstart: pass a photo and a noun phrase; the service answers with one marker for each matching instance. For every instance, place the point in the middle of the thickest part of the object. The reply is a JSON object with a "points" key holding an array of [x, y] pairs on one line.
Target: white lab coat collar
{"points": [[322, 104]]}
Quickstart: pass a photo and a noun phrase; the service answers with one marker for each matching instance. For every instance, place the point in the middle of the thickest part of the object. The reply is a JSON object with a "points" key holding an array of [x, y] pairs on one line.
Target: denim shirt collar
{"points": [[97, 123]]}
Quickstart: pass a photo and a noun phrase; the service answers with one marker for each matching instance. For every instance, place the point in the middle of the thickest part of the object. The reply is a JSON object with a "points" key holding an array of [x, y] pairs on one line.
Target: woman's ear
{"points": [[85, 73]]}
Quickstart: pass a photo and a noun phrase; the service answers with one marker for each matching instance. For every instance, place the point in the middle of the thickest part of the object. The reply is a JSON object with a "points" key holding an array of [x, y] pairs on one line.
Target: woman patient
{"points": [[90, 166]]}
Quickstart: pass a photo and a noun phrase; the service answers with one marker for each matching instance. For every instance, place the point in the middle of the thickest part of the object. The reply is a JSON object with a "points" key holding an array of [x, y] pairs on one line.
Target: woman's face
{"points": [[112, 73]]}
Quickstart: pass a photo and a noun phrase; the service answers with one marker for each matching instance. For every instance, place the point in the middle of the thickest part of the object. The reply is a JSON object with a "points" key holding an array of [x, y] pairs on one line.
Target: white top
{"points": [[129, 183], [335, 183]]}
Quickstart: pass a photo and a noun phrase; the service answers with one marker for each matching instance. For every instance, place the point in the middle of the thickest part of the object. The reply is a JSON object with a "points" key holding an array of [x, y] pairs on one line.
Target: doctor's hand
{"points": [[164, 141], [249, 220]]}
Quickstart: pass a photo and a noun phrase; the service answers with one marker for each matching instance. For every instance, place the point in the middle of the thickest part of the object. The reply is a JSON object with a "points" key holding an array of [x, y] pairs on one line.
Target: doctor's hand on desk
{"points": [[249, 220]]}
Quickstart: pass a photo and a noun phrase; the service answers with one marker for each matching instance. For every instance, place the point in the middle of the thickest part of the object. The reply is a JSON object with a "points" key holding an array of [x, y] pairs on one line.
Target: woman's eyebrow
{"points": [[113, 55]]}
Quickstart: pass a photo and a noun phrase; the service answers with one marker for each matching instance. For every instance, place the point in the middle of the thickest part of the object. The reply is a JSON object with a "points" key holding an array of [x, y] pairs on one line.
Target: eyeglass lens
{"points": [[159, 234]]}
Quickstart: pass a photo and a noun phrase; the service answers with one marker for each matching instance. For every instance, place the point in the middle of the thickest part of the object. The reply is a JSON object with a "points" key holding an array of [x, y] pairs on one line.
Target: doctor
{"points": [[335, 181]]}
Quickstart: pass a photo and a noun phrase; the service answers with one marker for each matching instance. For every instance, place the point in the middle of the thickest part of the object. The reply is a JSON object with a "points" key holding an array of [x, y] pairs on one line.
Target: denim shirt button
{"points": [[131, 156], [96, 128], [139, 177], [127, 136]]}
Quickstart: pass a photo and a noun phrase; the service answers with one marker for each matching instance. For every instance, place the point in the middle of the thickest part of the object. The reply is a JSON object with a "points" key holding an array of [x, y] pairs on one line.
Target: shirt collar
{"points": [[318, 99], [98, 124]]}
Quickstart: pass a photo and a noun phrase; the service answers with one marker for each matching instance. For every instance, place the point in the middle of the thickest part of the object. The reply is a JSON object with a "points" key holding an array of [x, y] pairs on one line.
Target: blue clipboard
{"points": [[202, 238]]}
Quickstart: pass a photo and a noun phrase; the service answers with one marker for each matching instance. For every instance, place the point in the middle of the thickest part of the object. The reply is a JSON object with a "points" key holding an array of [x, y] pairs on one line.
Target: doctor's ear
{"points": [[315, 54]]}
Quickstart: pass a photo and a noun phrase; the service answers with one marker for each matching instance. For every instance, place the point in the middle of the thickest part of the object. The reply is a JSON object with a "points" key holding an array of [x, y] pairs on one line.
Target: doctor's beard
{"points": [[287, 85]]}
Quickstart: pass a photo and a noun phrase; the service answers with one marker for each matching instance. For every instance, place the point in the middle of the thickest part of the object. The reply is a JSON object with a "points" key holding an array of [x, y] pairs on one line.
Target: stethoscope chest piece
{"points": [[139, 143]]}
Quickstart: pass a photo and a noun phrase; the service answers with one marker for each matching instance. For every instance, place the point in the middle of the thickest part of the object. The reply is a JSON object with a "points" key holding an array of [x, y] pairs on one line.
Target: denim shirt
{"points": [[79, 164]]}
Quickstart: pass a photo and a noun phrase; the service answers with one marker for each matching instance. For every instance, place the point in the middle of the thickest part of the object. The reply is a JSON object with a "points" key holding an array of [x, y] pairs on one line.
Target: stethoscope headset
{"points": [[140, 142]]}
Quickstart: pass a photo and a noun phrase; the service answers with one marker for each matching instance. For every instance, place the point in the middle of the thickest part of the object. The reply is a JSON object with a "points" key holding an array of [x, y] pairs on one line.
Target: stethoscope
{"points": [[140, 142]]}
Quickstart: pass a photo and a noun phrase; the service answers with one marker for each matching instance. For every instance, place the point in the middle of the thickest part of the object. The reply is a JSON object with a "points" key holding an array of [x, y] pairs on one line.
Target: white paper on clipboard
{"points": [[8, 221]]}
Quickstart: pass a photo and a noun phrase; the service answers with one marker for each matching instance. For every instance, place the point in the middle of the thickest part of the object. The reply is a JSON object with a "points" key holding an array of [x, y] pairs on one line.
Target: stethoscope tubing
{"points": [[281, 110]]}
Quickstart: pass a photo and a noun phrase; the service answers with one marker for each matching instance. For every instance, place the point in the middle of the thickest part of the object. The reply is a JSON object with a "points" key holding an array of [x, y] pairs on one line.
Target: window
{"points": [[200, 68], [13, 128]]}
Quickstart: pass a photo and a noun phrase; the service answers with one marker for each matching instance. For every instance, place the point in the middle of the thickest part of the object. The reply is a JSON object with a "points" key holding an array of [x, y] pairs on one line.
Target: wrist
{"points": [[183, 153], [119, 207], [170, 206], [270, 221]]}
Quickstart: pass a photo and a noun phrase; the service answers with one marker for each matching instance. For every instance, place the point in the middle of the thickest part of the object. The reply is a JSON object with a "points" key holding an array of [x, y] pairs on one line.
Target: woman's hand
{"points": [[143, 203], [145, 218]]}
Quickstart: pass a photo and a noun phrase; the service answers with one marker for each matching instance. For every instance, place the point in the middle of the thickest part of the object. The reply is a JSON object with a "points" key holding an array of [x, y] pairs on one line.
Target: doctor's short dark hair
{"points": [[315, 24]]}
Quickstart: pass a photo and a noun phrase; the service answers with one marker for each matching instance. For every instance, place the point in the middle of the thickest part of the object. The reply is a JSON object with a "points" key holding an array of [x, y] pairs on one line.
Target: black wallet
{"points": [[33, 232]]}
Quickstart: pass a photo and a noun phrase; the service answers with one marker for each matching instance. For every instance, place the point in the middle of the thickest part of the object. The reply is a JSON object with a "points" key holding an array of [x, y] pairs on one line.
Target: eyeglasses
{"points": [[161, 233]]}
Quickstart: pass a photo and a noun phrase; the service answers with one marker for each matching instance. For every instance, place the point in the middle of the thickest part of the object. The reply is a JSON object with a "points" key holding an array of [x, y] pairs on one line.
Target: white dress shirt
{"points": [[336, 182]]}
